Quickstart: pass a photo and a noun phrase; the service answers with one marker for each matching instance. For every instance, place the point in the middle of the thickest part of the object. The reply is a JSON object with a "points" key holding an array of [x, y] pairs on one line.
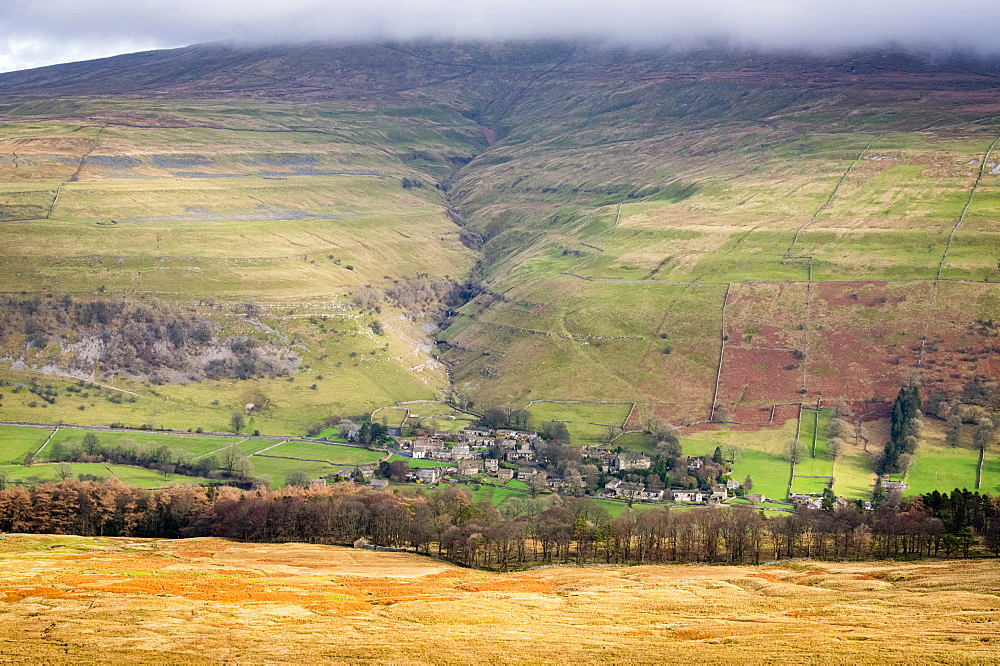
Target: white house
{"points": [[688, 496]]}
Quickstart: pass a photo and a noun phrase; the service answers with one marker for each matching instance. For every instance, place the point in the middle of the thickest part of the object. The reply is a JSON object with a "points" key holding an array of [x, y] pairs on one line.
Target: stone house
{"points": [[428, 474], [525, 473], [688, 495], [627, 460]]}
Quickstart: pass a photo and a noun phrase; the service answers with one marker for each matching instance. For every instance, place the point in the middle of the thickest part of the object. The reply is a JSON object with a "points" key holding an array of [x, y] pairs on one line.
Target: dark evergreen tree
{"points": [[902, 433]]}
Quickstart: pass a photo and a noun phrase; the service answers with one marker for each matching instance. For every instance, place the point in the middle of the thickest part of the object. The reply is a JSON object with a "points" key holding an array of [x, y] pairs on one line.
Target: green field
{"points": [[337, 455], [439, 417], [815, 460], [420, 462], [194, 445], [770, 472], [275, 470], [149, 478], [759, 454], [991, 472], [637, 441], [389, 416], [853, 473], [17, 443], [697, 447], [275, 464], [618, 509], [942, 468], [491, 494], [139, 477], [587, 423], [16, 440]]}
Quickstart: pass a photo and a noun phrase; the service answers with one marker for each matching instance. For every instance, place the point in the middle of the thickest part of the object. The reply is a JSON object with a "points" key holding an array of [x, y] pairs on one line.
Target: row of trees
{"points": [[519, 532]]}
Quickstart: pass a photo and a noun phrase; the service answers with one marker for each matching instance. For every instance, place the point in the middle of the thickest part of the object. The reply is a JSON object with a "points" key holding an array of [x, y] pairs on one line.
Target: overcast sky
{"points": [[41, 32]]}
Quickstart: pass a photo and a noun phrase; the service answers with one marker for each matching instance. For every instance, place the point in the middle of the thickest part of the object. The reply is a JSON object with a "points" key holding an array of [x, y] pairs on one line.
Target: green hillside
{"points": [[704, 235]]}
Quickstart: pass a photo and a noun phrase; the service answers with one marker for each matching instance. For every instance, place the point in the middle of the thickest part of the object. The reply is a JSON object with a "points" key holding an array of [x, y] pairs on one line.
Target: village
{"points": [[510, 458]]}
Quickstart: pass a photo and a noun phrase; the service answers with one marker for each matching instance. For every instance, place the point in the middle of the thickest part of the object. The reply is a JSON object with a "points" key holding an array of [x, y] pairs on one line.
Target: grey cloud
{"points": [[58, 30]]}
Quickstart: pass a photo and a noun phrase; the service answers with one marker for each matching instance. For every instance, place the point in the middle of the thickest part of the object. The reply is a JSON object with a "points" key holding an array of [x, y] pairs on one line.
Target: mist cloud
{"points": [[35, 32]]}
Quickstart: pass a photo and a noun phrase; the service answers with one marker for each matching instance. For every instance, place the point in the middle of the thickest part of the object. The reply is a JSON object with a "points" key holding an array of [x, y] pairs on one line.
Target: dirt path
{"points": [[268, 448], [210, 453], [46, 443]]}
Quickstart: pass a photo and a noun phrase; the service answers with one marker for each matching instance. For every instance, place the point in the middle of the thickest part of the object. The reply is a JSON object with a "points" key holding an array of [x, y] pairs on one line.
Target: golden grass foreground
{"points": [[102, 600]]}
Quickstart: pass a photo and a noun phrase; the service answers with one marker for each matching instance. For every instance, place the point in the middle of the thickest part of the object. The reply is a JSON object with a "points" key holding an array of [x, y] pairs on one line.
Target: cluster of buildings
{"points": [[618, 489], [511, 454], [500, 454], [511, 446]]}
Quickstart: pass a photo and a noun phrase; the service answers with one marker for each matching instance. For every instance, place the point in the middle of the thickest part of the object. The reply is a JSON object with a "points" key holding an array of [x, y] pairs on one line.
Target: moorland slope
{"points": [[100, 600]]}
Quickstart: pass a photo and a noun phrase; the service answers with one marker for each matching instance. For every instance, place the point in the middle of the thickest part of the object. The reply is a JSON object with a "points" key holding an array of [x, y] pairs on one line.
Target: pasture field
{"points": [[815, 460], [315, 458], [17, 443], [193, 445], [759, 454], [942, 468], [697, 447], [853, 473], [250, 446], [420, 462], [770, 472], [637, 441], [336, 455], [389, 416], [938, 466], [494, 495], [991, 472], [14, 439], [808, 486], [439, 416], [140, 477], [92, 588], [586, 423], [275, 470], [617, 509]]}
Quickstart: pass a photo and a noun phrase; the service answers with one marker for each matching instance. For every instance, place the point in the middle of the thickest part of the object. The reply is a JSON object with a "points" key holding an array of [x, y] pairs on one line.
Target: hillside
{"points": [[703, 234], [208, 600]]}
